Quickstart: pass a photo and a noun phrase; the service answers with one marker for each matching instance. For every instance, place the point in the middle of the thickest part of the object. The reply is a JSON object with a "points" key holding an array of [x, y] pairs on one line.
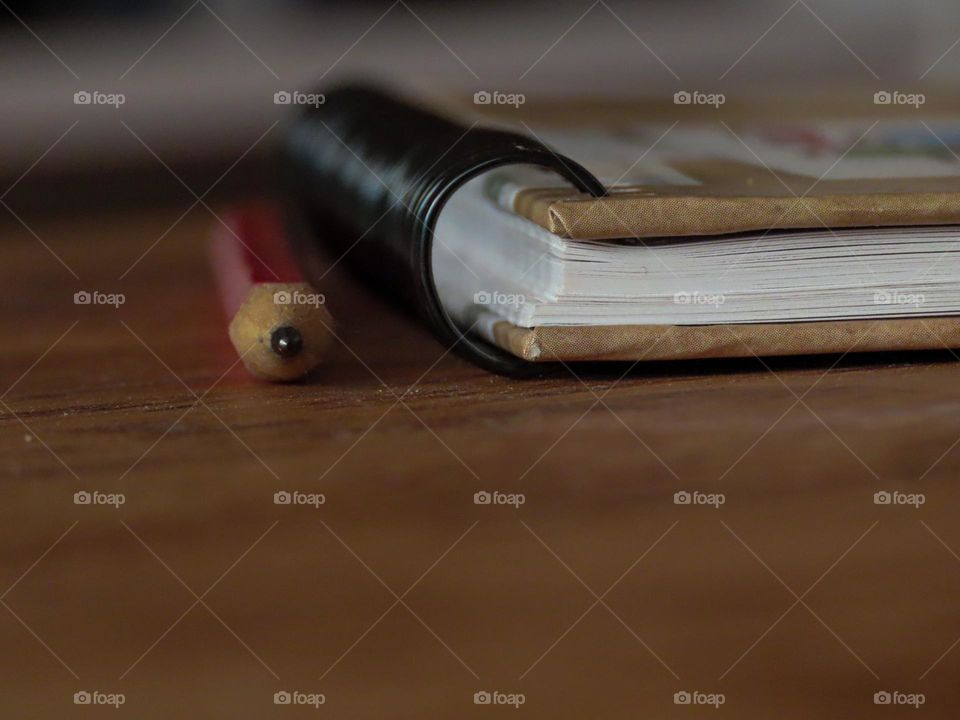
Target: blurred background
{"points": [[199, 76]]}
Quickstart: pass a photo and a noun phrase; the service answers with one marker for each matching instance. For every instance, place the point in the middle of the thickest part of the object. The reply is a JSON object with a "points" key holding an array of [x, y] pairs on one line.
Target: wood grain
{"points": [[400, 597]]}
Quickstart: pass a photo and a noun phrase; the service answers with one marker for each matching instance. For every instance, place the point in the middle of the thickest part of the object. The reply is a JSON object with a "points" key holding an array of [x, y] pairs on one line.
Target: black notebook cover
{"points": [[381, 170]]}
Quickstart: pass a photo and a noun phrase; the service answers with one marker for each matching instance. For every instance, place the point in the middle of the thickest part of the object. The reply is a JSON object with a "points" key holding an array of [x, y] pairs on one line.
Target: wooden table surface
{"points": [[599, 596]]}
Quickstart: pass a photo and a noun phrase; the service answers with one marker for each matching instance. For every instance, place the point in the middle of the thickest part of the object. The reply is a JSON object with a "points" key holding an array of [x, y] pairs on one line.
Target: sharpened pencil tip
{"points": [[286, 341]]}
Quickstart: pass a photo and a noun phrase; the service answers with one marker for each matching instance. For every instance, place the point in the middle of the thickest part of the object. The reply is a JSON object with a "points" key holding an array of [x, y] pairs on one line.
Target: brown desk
{"points": [[399, 597]]}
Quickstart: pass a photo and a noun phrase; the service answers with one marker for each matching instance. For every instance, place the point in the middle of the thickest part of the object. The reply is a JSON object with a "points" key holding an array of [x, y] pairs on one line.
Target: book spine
{"points": [[368, 174]]}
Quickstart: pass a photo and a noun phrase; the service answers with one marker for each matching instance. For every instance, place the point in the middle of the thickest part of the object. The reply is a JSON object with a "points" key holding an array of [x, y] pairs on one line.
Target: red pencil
{"points": [[279, 325]]}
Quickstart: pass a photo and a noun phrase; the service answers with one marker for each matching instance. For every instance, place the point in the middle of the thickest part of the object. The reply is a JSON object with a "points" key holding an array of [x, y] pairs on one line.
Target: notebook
{"points": [[588, 233]]}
